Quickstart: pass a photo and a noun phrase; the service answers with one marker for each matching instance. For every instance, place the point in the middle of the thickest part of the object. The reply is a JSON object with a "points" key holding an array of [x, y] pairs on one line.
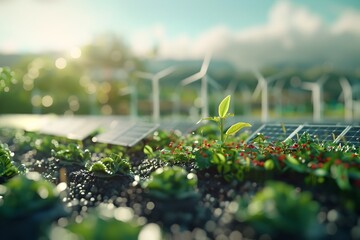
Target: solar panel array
{"points": [[113, 130], [351, 136], [127, 132], [324, 133], [274, 132]]}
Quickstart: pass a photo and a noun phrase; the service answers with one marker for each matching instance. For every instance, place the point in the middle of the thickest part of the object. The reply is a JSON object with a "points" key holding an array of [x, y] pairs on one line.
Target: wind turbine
{"points": [[155, 78], [316, 89], [201, 75], [263, 85], [348, 98]]}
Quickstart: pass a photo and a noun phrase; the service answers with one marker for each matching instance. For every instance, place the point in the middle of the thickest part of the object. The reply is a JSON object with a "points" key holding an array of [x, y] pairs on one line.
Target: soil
{"points": [[207, 216]]}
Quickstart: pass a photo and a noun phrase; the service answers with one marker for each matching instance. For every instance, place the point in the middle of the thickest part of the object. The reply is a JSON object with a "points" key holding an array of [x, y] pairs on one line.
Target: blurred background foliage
{"points": [[99, 78]]}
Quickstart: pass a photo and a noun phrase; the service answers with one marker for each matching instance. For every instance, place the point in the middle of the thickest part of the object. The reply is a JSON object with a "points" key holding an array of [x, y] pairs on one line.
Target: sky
{"points": [[256, 32]]}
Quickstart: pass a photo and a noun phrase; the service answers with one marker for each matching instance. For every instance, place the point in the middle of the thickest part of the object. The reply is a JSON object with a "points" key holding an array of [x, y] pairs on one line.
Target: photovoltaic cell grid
{"points": [[324, 133], [274, 132], [351, 136], [126, 133], [327, 133]]}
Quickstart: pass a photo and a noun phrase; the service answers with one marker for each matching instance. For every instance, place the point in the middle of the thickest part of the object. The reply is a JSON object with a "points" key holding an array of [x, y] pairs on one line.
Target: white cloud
{"points": [[292, 34], [348, 22]]}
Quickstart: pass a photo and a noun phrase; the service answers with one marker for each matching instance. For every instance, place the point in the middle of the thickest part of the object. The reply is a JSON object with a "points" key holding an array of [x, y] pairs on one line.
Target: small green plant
{"points": [[103, 222], [30, 203], [280, 210], [72, 154], [7, 167], [171, 183], [223, 109], [116, 164], [26, 194]]}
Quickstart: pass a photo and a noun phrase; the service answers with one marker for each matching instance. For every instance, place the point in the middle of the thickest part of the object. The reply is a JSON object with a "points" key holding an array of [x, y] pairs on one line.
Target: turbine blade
{"points": [[206, 63], [259, 76], [257, 91], [231, 87], [322, 80], [164, 73], [213, 83], [192, 78]]}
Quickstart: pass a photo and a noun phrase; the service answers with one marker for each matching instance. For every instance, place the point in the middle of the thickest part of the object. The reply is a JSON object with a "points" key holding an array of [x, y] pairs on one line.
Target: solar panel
{"points": [[274, 132], [182, 126], [351, 136], [77, 128], [28, 122], [324, 133], [125, 133]]}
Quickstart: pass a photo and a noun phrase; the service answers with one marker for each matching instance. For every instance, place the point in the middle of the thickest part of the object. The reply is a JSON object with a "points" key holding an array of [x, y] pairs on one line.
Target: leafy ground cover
{"points": [[208, 184]]}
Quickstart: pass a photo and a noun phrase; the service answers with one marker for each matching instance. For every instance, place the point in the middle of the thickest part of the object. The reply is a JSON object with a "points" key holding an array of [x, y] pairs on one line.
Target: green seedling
{"points": [[116, 164], [30, 203], [223, 114], [103, 222], [171, 183], [72, 154], [281, 210]]}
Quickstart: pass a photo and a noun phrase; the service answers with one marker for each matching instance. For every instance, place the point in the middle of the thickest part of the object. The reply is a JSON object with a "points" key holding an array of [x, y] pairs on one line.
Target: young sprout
{"points": [[171, 183], [281, 210], [223, 115], [72, 154], [26, 194], [116, 164]]}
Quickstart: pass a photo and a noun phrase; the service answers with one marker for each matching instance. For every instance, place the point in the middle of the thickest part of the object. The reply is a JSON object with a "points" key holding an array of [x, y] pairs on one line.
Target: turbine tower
{"points": [[316, 89], [201, 75], [262, 86], [155, 78]]}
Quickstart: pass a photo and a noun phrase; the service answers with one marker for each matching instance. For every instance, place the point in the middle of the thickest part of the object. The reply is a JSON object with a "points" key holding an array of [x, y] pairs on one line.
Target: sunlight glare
{"points": [[60, 63], [47, 101], [75, 52]]}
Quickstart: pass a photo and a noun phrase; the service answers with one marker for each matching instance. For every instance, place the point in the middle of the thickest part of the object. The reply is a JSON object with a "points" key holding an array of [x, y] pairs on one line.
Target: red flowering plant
{"points": [[233, 158], [306, 155]]}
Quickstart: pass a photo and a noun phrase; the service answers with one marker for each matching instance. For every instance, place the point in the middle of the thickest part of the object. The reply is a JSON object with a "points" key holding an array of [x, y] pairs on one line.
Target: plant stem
{"points": [[222, 130]]}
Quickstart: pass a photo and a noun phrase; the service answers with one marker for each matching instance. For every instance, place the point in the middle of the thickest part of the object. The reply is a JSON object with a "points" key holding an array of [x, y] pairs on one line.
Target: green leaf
{"points": [[237, 127], [269, 164], [148, 150], [294, 164], [224, 106], [215, 119]]}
